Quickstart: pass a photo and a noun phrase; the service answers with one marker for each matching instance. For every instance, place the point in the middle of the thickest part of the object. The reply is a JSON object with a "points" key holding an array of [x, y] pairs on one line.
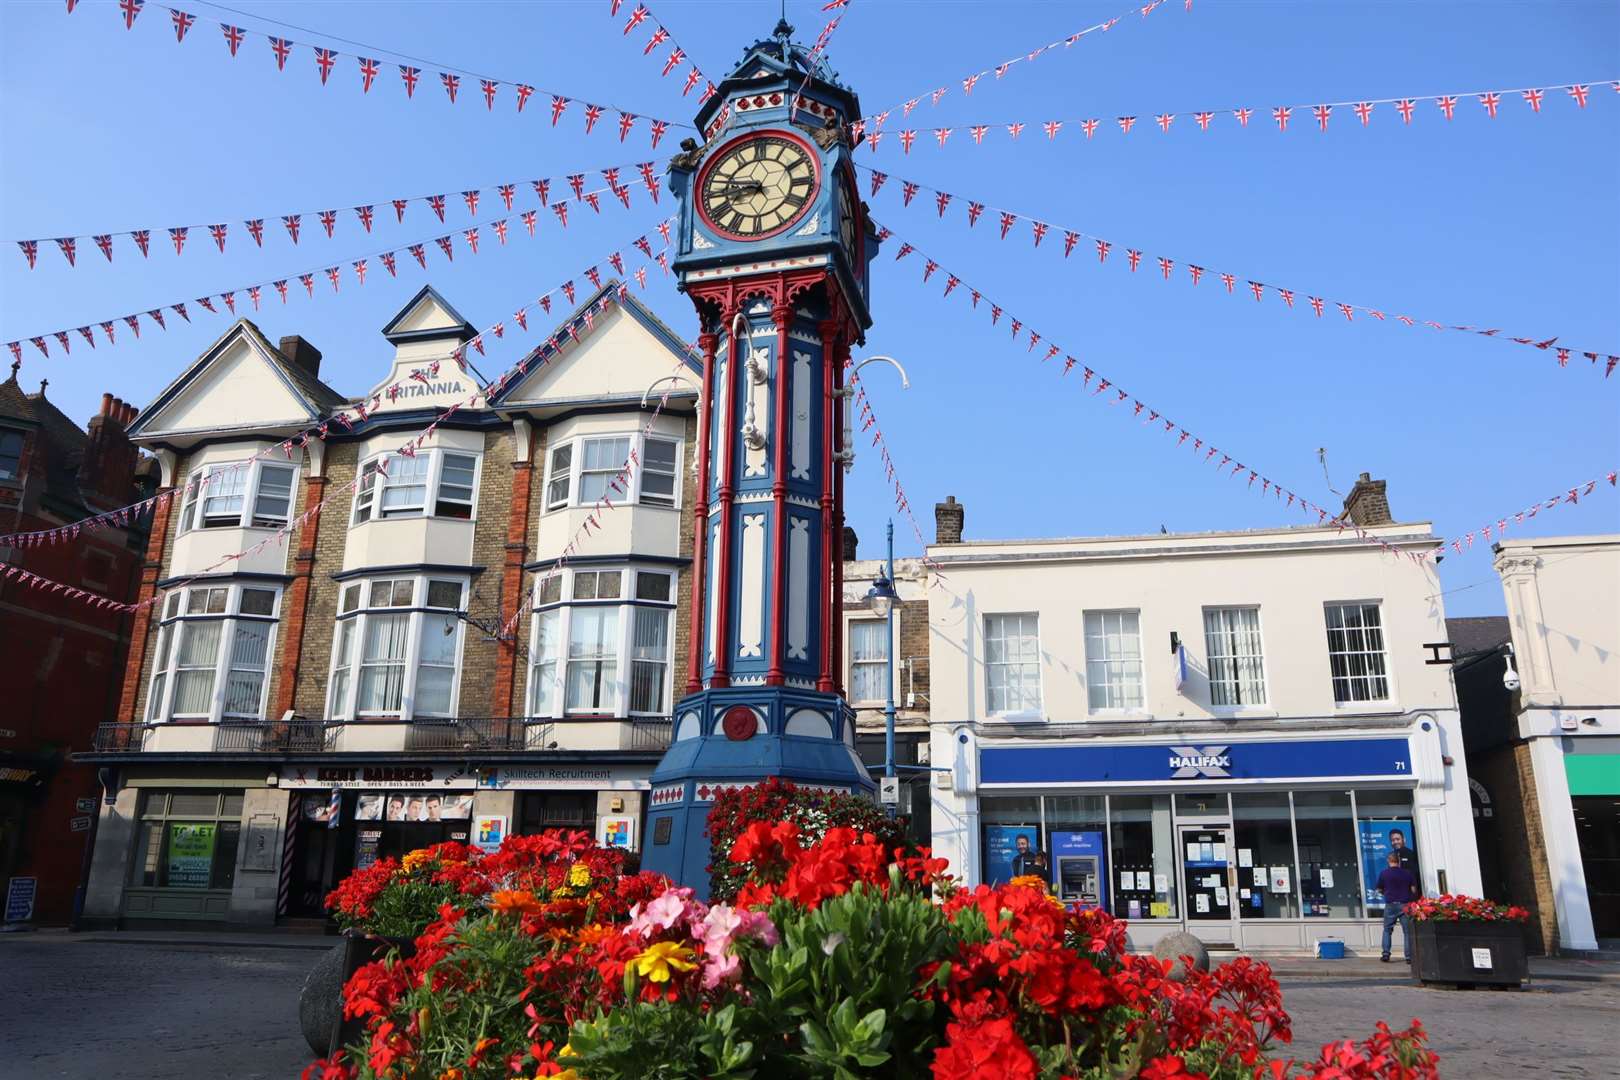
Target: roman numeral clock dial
{"points": [[758, 187]]}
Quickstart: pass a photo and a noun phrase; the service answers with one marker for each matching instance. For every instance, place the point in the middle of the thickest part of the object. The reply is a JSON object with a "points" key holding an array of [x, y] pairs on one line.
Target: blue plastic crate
{"points": [[1329, 949]]}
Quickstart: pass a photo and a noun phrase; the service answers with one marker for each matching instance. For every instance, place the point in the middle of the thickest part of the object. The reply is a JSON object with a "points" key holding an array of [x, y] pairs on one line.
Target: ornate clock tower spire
{"points": [[774, 249]]}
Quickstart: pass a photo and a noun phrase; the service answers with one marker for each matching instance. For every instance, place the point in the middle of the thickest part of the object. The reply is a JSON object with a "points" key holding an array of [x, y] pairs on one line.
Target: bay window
{"points": [[396, 650], [582, 471], [434, 483], [238, 494], [213, 653], [605, 650]]}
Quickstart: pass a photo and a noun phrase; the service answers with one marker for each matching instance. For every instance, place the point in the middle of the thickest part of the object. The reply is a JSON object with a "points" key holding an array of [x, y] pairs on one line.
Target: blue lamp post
{"points": [[880, 598]]}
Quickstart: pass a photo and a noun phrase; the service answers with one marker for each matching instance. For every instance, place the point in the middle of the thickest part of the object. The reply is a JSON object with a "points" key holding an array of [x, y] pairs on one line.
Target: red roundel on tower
{"points": [[739, 723]]}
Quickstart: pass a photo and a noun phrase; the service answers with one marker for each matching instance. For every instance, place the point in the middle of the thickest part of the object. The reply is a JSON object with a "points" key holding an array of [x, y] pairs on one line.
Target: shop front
{"points": [[1254, 845]]}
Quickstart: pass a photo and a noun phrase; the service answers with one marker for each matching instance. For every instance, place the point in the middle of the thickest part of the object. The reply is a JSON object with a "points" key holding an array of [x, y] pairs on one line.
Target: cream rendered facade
{"points": [[378, 639], [1072, 683], [1563, 604]]}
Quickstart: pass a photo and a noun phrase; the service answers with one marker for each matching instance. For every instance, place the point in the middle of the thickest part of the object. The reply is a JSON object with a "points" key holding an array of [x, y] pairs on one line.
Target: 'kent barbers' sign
{"points": [[1190, 761]]}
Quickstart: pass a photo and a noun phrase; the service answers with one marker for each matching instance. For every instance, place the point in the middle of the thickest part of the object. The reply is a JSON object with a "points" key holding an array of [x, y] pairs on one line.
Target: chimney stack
{"points": [[302, 353], [108, 466], [948, 521], [851, 543], [1367, 504]]}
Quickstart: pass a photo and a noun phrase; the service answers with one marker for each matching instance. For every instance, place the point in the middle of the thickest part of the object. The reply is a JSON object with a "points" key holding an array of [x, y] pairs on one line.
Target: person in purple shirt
{"points": [[1399, 888]]}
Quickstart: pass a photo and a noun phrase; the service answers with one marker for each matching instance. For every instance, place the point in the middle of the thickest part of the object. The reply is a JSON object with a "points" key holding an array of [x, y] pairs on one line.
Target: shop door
{"points": [[1206, 874]]}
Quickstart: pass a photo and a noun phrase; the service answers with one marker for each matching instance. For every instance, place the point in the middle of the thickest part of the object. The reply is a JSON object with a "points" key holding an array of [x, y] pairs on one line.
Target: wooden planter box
{"points": [[358, 951], [1468, 953]]}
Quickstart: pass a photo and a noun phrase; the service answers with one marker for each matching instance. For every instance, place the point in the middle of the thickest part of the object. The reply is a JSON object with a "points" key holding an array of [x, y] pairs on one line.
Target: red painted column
{"points": [[775, 675], [735, 362], [836, 366], [141, 623], [296, 605], [698, 632], [831, 543], [517, 550]]}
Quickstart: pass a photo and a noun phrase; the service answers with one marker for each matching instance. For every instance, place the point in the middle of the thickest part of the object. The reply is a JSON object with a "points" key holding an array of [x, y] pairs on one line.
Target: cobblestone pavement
{"points": [[1551, 1029], [93, 1008], [80, 1008]]}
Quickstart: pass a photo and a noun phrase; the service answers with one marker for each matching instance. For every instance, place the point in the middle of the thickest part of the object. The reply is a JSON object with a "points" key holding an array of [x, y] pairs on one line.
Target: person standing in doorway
{"points": [[1399, 888]]}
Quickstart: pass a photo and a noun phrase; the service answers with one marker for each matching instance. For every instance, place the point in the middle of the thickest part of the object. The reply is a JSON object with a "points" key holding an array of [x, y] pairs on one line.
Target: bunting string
{"points": [[658, 35], [1280, 118], [902, 502], [367, 68], [409, 449], [500, 228], [820, 46], [968, 82], [345, 419], [300, 223], [1498, 528], [1195, 273]]}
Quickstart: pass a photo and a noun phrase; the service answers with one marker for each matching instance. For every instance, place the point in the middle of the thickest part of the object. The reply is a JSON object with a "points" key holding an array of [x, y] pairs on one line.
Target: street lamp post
{"points": [[881, 596]]}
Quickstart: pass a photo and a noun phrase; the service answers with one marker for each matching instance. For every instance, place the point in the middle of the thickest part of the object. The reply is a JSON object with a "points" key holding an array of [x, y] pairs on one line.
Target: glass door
{"points": [[1206, 867]]}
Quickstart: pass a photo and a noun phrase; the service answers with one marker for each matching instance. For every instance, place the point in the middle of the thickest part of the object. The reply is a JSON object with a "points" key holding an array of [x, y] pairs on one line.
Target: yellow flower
{"points": [[579, 875], [659, 958], [415, 860], [1028, 881], [515, 902], [567, 1051]]}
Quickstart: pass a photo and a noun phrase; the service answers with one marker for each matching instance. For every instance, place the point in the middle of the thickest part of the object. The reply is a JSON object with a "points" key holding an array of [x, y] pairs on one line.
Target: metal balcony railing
{"points": [[465, 733], [119, 739], [276, 736]]}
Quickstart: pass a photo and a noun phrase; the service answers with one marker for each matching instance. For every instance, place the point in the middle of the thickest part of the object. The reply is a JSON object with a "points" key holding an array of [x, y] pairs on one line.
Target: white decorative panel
{"points": [[713, 583], [689, 727], [759, 395], [808, 722], [751, 624], [800, 404], [798, 589], [719, 456]]}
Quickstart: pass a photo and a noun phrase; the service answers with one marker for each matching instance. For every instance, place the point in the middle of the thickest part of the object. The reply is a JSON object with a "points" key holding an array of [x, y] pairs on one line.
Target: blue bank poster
{"points": [[1375, 848], [1001, 847]]}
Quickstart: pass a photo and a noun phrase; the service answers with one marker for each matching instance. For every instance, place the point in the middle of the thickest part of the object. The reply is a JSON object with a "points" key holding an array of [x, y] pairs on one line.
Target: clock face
{"points": [[758, 187]]}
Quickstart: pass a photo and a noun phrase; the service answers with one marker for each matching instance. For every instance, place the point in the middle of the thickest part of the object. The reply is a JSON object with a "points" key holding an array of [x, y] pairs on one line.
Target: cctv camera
{"points": [[1510, 680]]}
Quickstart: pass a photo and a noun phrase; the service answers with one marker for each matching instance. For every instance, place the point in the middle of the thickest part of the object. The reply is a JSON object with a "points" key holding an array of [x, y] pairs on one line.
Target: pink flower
{"points": [[660, 914], [720, 967]]}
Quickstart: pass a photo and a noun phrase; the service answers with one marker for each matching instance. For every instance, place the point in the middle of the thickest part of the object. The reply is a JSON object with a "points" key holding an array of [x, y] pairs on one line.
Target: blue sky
{"points": [[1509, 222]]}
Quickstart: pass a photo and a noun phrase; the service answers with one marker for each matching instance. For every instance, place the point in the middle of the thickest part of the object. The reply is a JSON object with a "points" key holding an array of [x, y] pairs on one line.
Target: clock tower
{"points": [[774, 249]]}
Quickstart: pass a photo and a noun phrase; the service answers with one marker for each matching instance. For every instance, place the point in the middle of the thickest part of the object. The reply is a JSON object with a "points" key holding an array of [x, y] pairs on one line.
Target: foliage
{"points": [[778, 800], [1449, 908], [832, 962]]}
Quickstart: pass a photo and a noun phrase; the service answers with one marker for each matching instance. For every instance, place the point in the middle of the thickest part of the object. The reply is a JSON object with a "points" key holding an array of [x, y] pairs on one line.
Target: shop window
{"points": [[1355, 635], [1012, 838], [1114, 659], [1597, 830], [1384, 825], [187, 839], [213, 653], [539, 811], [235, 494], [606, 653], [1012, 663], [1143, 863], [437, 483], [868, 659], [1236, 662], [396, 650], [1263, 833], [1329, 863], [1076, 846]]}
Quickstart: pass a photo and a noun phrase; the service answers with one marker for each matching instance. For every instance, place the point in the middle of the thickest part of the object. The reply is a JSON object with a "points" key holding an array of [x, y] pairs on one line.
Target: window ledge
{"points": [[1127, 715], [1368, 708], [1027, 716], [1243, 712]]}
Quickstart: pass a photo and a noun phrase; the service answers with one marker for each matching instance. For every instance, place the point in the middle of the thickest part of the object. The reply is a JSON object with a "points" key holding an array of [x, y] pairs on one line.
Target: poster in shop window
{"points": [[368, 808], [191, 855], [489, 830], [1378, 839], [1004, 859]]}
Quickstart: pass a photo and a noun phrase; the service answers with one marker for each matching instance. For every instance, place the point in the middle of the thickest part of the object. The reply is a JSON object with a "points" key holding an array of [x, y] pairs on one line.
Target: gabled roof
{"points": [[575, 321], [14, 403], [313, 395], [459, 327]]}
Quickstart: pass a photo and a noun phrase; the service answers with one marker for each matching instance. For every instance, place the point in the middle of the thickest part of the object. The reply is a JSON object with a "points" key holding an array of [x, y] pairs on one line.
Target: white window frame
{"points": [[1026, 711], [890, 631], [367, 500], [194, 502], [633, 495], [344, 679], [176, 621], [1259, 659], [1382, 652], [1140, 659], [560, 612]]}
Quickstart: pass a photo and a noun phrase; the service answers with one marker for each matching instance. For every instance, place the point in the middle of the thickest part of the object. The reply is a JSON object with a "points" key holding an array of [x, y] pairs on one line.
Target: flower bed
{"points": [[1450, 908], [838, 957]]}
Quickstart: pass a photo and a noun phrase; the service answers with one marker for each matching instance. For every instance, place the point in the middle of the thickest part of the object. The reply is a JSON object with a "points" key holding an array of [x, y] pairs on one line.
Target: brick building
{"points": [[452, 642], [64, 658]]}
